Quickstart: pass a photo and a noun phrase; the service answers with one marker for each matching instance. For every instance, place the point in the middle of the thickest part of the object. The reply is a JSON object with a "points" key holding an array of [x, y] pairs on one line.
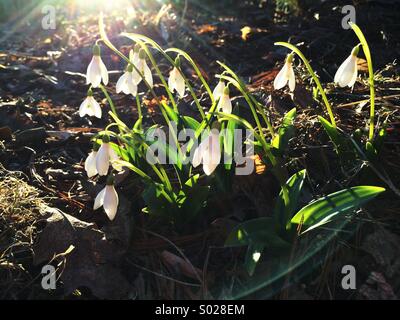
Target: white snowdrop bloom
{"points": [[90, 164], [144, 69], [90, 107], [105, 156], [126, 83], [286, 75], [96, 71], [108, 198], [176, 82], [219, 90], [208, 153], [346, 75], [134, 55], [224, 102]]}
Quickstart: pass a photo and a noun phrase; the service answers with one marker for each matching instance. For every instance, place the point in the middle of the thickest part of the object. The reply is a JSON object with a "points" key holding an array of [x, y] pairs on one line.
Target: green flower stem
{"points": [[140, 39], [160, 172], [139, 109], [108, 43], [155, 45], [313, 75], [245, 93], [160, 75], [258, 123], [196, 69], [277, 169], [367, 54], [110, 102]]}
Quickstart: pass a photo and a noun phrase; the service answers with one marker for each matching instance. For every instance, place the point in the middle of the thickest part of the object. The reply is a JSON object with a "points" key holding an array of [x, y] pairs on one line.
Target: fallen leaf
{"points": [[245, 32], [180, 265], [206, 28], [362, 65]]}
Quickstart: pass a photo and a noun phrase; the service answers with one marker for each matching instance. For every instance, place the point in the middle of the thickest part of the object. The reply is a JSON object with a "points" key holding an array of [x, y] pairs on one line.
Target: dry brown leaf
{"points": [[245, 32], [180, 265], [206, 28], [362, 65]]}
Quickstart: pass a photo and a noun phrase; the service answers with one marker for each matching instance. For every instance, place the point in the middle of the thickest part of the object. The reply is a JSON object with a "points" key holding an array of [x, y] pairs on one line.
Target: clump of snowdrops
{"points": [[178, 190]]}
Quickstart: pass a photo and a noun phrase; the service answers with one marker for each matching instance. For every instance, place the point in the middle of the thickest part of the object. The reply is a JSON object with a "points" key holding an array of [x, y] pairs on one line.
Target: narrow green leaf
{"points": [[228, 139], [324, 209], [284, 213], [190, 122], [285, 133], [261, 231]]}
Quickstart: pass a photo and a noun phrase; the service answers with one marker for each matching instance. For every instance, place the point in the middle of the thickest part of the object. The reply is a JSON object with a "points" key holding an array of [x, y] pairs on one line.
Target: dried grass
{"points": [[21, 208]]}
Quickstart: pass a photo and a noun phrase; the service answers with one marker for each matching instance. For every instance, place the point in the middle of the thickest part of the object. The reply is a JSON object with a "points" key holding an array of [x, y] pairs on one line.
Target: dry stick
{"points": [[344, 105]]}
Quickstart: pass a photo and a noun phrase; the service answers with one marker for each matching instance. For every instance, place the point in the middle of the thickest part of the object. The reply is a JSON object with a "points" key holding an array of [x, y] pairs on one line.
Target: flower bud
{"points": [[96, 50]]}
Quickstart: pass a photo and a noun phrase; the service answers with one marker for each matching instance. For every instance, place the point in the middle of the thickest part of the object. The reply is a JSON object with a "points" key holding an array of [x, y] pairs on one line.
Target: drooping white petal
{"points": [[83, 109], [104, 72], [103, 159], [90, 164], [172, 80], [346, 75], [93, 73], [219, 90], [121, 84], [112, 154], [180, 84], [96, 109], [176, 82], [282, 78], [198, 154], [147, 74], [110, 203], [291, 77], [212, 155], [134, 57], [137, 78], [98, 202], [225, 104], [131, 85]]}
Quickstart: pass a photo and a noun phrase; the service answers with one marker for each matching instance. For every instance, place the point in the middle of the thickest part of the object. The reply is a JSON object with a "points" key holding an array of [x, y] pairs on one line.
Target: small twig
{"points": [[350, 104]]}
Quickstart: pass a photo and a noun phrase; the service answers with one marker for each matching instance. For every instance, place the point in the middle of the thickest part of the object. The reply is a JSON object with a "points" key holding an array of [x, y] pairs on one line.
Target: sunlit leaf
{"points": [[285, 133], [283, 213], [324, 209], [261, 231]]}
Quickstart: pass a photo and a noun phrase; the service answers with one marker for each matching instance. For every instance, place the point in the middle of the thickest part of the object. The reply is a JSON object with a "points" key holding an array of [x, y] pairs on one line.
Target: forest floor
{"points": [[44, 142]]}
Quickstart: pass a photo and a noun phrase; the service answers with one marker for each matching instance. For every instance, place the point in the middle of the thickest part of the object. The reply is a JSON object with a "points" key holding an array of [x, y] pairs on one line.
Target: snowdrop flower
{"points": [[90, 162], [96, 71], [126, 83], [219, 90], [346, 75], [144, 69], [105, 156], [108, 198], [224, 102], [176, 81], [208, 153], [90, 106], [134, 55], [286, 75]]}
